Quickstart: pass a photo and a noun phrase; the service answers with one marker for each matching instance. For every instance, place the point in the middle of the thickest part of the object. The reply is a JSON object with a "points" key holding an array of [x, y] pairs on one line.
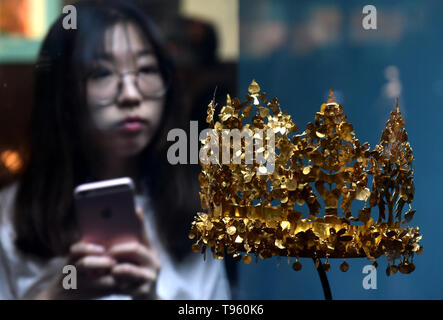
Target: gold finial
{"points": [[397, 109], [331, 96], [254, 88]]}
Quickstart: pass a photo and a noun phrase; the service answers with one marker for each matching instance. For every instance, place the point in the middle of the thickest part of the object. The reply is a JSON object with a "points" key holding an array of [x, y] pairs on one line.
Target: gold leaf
{"points": [[363, 194], [231, 230], [323, 107], [291, 185], [228, 100], [264, 112], [238, 239], [246, 112], [285, 225], [278, 243], [408, 215], [247, 259], [254, 88], [327, 266], [297, 266]]}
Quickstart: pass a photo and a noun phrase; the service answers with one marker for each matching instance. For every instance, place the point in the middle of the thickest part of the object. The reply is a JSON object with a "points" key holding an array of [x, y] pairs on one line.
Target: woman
{"points": [[103, 101]]}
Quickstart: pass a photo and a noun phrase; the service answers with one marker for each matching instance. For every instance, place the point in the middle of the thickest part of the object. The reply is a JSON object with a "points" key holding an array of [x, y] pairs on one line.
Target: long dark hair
{"points": [[44, 217]]}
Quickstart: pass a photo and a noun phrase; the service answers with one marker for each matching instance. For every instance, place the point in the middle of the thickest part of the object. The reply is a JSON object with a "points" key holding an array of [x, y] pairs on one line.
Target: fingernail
{"points": [[97, 247]]}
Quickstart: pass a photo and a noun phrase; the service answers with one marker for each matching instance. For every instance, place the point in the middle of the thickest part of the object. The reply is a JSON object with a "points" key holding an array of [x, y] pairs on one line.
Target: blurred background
{"points": [[296, 50]]}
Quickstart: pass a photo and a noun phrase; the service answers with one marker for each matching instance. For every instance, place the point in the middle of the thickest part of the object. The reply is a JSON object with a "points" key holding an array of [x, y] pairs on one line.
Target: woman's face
{"points": [[125, 92]]}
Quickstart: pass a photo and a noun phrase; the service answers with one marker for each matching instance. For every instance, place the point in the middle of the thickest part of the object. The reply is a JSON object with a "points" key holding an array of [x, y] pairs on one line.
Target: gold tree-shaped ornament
{"points": [[391, 167], [338, 159]]}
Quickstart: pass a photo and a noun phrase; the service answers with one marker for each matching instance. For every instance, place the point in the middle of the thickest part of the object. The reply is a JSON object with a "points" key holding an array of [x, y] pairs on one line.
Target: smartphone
{"points": [[106, 212]]}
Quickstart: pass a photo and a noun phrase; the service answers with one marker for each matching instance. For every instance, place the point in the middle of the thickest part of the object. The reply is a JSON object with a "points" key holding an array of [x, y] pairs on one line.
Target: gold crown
{"points": [[260, 214]]}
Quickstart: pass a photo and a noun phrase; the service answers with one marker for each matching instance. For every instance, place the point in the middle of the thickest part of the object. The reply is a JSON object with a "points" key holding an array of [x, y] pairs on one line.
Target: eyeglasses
{"points": [[105, 85]]}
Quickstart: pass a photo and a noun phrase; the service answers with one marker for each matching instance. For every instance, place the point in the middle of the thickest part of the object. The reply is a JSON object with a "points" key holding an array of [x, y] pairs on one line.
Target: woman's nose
{"points": [[129, 95]]}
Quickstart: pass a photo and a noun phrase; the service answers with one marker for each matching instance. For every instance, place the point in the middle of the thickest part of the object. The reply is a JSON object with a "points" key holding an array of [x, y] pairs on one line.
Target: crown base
{"points": [[266, 232]]}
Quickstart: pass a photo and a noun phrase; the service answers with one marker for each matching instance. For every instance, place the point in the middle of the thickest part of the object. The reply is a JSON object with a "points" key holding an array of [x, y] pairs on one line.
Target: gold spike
{"points": [[331, 96], [397, 109]]}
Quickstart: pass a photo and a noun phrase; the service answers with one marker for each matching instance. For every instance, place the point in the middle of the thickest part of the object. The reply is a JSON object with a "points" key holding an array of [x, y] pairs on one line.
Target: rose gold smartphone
{"points": [[106, 212]]}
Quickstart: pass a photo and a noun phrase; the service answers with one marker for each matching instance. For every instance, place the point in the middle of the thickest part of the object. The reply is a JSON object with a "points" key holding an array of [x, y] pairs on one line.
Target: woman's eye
{"points": [[100, 73], [149, 70]]}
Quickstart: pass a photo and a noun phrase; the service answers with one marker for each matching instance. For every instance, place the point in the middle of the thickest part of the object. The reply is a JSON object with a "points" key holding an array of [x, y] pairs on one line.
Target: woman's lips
{"points": [[132, 125]]}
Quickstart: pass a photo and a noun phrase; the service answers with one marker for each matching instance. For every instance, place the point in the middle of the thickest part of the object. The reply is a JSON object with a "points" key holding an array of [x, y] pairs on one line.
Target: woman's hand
{"points": [[94, 278], [129, 268], [136, 270], [94, 267], [137, 266]]}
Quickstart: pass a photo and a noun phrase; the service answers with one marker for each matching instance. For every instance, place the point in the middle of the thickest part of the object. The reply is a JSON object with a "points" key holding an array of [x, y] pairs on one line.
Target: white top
{"points": [[23, 276]]}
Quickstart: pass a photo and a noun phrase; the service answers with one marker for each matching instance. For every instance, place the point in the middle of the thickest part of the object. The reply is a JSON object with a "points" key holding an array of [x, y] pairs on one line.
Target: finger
{"points": [[139, 282], [135, 252], [99, 286], [132, 273], [146, 290], [95, 263], [104, 283], [85, 249]]}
